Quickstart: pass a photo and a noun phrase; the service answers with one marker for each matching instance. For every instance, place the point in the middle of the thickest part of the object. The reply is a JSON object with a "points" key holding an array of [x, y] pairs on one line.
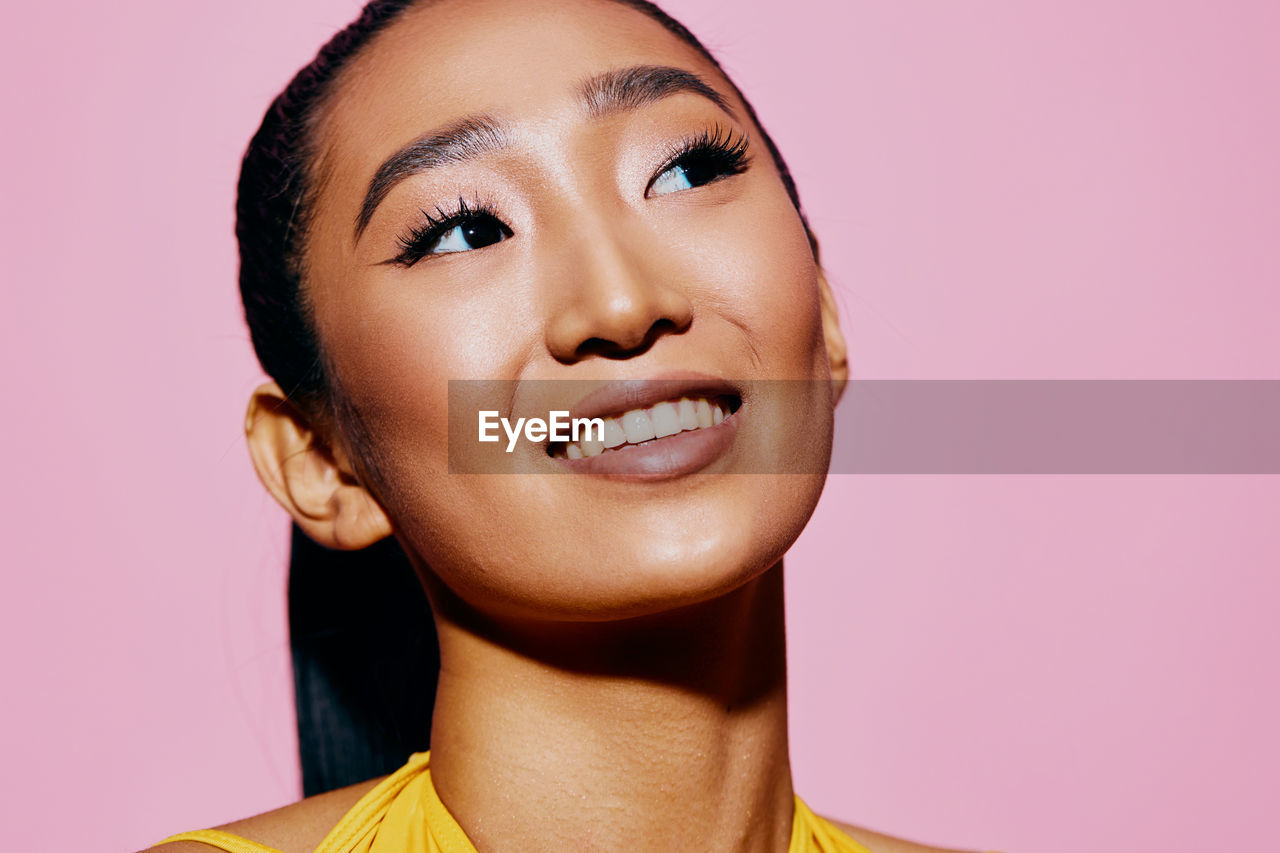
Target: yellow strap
{"points": [[364, 817], [444, 829], [222, 840], [810, 832]]}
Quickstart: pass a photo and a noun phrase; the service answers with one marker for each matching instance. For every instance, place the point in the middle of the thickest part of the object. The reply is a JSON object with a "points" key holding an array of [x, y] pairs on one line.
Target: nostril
{"points": [[607, 348], [664, 326], [597, 346]]}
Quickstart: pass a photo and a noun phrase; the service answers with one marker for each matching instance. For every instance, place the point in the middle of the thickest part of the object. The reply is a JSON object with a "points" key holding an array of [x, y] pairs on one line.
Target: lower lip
{"points": [[663, 458]]}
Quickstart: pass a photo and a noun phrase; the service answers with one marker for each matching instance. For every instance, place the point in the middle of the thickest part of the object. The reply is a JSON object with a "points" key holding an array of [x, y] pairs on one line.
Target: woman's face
{"points": [[564, 218]]}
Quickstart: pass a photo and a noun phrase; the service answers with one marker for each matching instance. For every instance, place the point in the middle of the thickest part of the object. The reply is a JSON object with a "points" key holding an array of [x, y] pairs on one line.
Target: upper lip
{"points": [[619, 397]]}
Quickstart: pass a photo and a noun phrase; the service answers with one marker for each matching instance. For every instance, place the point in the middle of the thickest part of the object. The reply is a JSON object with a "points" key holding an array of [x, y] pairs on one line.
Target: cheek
{"points": [[399, 384], [394, 342], [757, 270], [388, 363], [407, 327]]}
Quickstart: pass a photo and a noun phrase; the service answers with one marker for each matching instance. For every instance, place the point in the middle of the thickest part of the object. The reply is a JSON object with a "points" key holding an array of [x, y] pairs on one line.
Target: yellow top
{"points": [[403, 814]]}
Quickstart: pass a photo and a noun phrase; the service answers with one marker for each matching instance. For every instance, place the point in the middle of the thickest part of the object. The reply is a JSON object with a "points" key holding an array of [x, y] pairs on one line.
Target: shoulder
{"points": [[879, 843], [292, 829]]}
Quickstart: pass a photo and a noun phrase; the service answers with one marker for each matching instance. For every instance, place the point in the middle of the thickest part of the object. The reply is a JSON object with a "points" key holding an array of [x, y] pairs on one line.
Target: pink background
{"points": [[1084, 189]]}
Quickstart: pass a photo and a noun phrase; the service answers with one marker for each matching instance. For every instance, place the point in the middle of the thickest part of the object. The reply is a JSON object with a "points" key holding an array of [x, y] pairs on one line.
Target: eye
{"points": [[681, 177], [467, 228], [476, 233], [699, 161]]}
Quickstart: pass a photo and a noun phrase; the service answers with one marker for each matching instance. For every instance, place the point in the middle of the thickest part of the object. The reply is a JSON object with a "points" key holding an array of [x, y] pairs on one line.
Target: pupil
{"points": [[481, 232], [698, 172]]}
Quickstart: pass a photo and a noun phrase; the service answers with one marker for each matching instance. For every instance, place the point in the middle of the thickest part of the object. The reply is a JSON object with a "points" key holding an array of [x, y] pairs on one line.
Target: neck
{"points": [[661, 733]]}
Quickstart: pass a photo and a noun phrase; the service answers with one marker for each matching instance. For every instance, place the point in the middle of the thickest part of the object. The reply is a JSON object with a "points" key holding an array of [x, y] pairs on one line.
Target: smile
{"points": [[644, 426], [655, 429]]}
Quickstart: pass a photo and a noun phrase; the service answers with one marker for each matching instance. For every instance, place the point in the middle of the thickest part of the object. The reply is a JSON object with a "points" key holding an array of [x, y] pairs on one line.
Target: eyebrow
{"points": [[602, 95], [631, 88], [462, 140]]}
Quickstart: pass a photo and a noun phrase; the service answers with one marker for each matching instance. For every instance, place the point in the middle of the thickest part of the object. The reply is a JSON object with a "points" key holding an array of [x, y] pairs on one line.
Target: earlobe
{"points": [[837, 349], [313, 484]]}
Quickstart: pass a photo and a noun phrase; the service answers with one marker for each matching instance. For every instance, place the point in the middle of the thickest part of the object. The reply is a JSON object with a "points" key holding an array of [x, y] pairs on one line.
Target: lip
{"points": [[660, 458], [615, 398]]}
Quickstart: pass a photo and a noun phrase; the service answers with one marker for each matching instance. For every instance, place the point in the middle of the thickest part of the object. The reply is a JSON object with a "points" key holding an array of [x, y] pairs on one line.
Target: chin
{"points": [[640, 560]]}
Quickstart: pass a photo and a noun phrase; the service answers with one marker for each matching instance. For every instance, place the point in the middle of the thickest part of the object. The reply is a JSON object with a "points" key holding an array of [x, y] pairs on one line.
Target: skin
{"points": [[613, 652]]}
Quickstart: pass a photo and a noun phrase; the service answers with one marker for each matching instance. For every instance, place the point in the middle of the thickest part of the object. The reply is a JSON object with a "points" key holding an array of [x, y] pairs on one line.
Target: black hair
{"points": [[365, 656]]}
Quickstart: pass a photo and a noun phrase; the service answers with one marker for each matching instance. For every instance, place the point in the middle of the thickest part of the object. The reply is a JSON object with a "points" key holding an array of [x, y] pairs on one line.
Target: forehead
{"points": [[519, 59]]}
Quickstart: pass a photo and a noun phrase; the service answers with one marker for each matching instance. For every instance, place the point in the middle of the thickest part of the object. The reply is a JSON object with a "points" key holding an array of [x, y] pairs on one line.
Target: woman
{"points": [[567, 205]]}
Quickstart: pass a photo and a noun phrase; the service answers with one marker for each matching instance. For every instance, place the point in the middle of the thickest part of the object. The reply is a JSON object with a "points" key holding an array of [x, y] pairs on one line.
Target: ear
{"points": [[837, 350], [313, 482]]}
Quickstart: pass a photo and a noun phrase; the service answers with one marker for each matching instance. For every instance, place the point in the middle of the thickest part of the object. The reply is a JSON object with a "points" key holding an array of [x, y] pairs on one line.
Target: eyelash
{"points": [[417, 243], [716, 147]]}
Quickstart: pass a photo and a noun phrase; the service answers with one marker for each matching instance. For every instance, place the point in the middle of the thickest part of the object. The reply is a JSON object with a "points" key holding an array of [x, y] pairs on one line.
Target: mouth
{"points": [[668, 426], [649, 426]]}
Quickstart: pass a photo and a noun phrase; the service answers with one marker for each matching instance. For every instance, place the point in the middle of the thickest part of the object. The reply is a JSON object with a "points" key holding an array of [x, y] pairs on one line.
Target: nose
{"points": [[613, 298]]}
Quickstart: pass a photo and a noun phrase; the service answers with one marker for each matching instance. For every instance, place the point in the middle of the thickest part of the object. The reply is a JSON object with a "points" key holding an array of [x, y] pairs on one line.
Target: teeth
{"points": [[614, 434], [688, 414], [666, 421], [638, 426], [657, 421], [704, 413]]}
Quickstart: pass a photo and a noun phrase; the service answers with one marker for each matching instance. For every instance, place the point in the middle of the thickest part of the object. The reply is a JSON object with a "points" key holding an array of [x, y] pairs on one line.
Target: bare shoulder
{"points": [[879, 843], [296, 828]]}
